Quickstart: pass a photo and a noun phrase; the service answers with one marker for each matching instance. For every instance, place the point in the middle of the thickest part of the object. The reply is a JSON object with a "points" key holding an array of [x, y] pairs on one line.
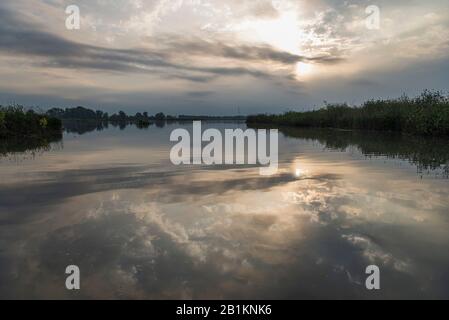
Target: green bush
{"points": [[16, 122]]}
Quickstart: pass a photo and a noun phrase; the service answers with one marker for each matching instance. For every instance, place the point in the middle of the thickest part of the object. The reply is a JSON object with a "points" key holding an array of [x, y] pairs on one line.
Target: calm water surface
{"points": [[138, 227]]}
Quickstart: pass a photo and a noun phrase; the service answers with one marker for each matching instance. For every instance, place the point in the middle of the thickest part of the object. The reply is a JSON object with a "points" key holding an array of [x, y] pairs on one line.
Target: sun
{"points": [[304, 69]]}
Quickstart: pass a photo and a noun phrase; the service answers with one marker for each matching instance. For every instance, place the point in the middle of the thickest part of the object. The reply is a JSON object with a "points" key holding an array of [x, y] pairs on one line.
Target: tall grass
{"points": [[427, 114], [16, 122]]}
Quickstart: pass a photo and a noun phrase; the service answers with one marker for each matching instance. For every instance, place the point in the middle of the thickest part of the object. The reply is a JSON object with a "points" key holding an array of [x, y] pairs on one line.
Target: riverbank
{"points": [[15, 122], [427, 114]]}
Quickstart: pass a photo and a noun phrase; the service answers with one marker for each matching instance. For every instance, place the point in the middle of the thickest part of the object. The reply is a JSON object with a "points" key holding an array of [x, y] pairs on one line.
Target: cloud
{"points": [[233, 51], [171, 57], [264, 9], [17, 37]]}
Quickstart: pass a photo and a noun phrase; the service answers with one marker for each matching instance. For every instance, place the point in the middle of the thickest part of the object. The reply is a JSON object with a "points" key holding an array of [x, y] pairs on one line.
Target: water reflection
{"points": [[427, 153], [85, 126], [138, 227], [30, 146]]}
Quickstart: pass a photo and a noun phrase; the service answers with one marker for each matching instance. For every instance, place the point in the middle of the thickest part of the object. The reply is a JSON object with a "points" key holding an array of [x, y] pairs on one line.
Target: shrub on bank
{"points": [[16, 122]]}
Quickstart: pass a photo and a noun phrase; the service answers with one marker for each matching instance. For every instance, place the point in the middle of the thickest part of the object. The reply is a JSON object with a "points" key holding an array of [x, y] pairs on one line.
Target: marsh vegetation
{"points": [[427, 114]]}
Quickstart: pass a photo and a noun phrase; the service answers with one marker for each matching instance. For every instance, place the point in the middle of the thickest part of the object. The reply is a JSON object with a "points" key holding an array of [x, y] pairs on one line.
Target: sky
{"points": [[220, 57]]}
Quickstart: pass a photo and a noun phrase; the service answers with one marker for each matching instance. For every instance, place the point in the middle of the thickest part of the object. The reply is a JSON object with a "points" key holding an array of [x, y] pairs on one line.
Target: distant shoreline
{"points": [[81, 113], [427, 114]]}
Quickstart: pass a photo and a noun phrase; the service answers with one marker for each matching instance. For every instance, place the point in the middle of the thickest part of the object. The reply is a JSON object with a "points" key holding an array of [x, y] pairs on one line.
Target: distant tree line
{"points": [[427, 114], [82, 113]]}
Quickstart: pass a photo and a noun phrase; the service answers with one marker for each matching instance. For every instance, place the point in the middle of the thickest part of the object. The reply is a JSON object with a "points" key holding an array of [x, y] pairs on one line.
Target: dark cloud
{"points": [[256, 53], [190, 77]]}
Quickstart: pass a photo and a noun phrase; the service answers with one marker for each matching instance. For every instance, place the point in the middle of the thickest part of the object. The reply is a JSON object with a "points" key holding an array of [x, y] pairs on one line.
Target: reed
{"points": [[427, 114]]}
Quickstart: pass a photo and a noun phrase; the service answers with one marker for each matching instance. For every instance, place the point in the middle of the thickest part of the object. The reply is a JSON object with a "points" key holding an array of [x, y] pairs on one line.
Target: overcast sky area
{"points": [[219, 56]]}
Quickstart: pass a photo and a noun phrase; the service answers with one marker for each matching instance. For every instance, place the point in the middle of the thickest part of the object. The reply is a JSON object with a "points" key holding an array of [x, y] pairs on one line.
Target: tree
{"points": [[122, 115], [138, 116], [160, 116]]}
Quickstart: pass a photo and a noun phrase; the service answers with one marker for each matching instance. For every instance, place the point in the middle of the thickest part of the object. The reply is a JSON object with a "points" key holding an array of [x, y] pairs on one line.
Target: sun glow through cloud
{"points": [[304, 69], [283, 33]]}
